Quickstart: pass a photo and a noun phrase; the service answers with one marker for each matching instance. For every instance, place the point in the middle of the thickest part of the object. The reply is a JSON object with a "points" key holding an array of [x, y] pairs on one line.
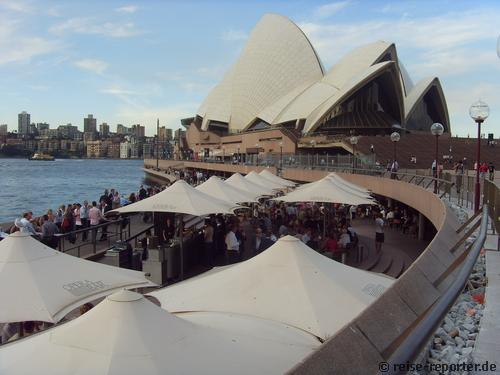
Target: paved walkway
{"points": [[399, 250], [487, 346]]}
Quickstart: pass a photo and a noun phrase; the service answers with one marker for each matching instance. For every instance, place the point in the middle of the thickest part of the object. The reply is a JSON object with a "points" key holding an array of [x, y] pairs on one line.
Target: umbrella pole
{"points": [[324, 222], [181, 235]]}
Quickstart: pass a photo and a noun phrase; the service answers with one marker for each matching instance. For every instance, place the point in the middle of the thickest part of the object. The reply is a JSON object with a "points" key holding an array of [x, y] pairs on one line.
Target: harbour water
{"points": [[39, 185]]}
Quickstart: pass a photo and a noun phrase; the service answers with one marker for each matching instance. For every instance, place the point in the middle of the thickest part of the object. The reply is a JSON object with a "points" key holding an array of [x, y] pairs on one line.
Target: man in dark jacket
{"points": [[261, 243]]}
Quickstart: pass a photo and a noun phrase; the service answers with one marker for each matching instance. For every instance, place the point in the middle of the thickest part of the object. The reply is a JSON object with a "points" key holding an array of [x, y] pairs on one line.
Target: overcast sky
{"points": [[131, 62]]}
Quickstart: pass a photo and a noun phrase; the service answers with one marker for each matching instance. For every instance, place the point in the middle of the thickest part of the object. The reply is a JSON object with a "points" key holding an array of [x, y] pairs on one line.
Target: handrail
{"points": [[413, 344]]}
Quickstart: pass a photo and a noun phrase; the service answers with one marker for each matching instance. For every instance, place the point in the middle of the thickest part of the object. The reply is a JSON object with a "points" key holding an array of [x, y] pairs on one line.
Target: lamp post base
{"points": [[477, 193]]}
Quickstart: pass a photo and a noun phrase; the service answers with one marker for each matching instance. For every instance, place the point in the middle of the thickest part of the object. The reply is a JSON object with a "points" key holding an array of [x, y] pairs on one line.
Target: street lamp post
{"points": [[479, 111], [395, 137], [223, 155], [257, 146], [313, 143], [437, 130], [281, 157], [354, 142]]}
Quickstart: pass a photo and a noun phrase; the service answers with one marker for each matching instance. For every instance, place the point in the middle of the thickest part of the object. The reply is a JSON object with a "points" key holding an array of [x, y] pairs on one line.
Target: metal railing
{"points": [[417, 339], [121, 226]]}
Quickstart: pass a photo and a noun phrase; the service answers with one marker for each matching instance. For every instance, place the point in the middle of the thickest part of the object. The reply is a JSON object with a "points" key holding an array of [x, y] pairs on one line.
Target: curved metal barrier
{"points": [[417, 339]]}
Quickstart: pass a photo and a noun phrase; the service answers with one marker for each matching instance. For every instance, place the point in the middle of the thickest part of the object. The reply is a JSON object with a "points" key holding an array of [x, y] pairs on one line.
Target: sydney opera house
{"points": [[278, 91]]}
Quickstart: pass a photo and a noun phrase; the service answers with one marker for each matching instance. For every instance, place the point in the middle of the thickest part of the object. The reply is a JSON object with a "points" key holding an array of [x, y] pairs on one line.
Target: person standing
{"points": [[232, 246], [84, 218], [491, 170], [208, 243], [394, 170], [261, 243], [76, 214], [483, 168], [95, 216], [459, 173], [49, 229], [379, 233]]}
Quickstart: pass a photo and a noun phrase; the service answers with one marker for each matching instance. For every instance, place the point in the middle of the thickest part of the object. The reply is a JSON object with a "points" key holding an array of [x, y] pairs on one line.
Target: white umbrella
{"points": [[259, 180], [270, 176], [288, 283], [336, 177], [240, 182], [217, 188], [127, 334], [326, 191], [181, 198], [40, 283]]}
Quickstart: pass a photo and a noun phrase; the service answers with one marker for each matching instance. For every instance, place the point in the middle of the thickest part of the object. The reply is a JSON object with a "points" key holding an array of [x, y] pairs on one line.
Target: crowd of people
{"points": [[72, 217]]}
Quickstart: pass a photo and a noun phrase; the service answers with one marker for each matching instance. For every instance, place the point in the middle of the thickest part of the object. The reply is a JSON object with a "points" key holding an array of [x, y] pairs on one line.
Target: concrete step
{"points": [[370, 262], [397, 267], [383, 264]]}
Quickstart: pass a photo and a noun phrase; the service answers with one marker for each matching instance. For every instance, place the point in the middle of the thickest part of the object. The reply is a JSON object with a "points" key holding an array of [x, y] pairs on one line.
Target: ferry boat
{"points": [[41, 156]]}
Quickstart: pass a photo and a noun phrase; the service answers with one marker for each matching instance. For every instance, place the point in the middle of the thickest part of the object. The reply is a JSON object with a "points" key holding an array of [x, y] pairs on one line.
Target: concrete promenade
{"points": [[487, 346]]}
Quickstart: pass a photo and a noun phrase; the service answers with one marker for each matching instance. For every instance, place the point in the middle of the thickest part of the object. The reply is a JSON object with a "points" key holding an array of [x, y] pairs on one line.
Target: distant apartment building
{"points": [[112, 149], [67, 131], [164, 134], [179, 134], [23, 123], [95, 149], [89, 124], [135, 150], [3, 129], [148, 150], [42, 126], [125, 150], [122, 129], [49, 133], [30, 145], [138, 131], [89, 137], [104, 130], [33, 129], [76, 146], [64, 144]]}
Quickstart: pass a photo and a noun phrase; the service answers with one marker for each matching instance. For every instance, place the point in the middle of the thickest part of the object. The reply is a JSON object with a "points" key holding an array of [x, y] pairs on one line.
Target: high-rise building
{"points": [[42, 126], [168, 133], [165, 134], [121, 129], [23, 122], [138, 130], [104, 130], [89, 124], [67, 131], [3, 129]]}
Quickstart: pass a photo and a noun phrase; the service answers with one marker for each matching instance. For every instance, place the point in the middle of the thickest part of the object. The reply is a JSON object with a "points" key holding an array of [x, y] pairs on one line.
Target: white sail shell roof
{"points": [[266, 70]]}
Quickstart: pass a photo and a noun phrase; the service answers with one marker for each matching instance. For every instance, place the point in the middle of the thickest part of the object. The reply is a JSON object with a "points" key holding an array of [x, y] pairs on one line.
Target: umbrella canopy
{"points": [[270, 176], [326, 191], [39, 283], [259, 180], [127, 334], [288, 283], [240, 182], [181, 197], [217, 188], [350, 185]]}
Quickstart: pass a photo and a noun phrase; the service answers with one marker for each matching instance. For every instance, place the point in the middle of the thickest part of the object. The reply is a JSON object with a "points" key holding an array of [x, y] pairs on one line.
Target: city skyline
{"points": [[131, 63]]}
